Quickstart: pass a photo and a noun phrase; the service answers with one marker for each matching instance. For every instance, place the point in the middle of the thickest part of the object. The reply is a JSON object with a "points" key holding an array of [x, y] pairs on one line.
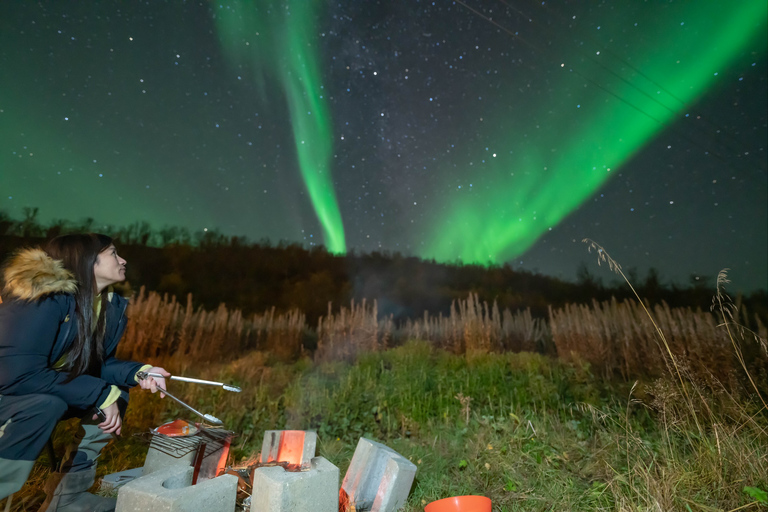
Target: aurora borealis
{"points": [[535, 187], [287, 30], [477, 131]]}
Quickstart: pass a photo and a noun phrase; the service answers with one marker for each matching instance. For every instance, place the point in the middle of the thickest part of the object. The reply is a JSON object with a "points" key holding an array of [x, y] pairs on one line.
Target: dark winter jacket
{"points": [[38, 326]]}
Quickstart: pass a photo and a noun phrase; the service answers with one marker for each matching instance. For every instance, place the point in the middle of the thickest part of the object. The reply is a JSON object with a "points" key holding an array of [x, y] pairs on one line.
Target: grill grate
{"points": [[213, 438]]}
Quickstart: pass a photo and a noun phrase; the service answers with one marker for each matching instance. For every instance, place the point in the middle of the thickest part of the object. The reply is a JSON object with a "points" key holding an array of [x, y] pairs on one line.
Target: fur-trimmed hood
{"points": [[31, 274]]}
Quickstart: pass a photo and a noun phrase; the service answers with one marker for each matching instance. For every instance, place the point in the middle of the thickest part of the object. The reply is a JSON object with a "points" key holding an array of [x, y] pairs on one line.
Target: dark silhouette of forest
{"points": [[257, 276]]}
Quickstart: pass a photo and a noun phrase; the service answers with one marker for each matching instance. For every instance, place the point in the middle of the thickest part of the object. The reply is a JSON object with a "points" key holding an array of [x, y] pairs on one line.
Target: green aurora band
{"points": [[276, 38], [520, 196]]}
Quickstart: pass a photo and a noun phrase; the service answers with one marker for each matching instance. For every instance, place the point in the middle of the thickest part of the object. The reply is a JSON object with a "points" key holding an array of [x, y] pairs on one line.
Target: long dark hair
{"points": [[79, 253]]}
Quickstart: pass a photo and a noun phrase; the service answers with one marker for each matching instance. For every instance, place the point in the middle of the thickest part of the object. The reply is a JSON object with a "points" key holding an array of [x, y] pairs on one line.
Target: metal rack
{"points": [[213, 439]]}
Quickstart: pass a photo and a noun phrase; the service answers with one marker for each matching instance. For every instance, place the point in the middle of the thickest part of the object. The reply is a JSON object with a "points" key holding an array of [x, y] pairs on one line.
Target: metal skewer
{"points": [[226, 387], [209, 418]]}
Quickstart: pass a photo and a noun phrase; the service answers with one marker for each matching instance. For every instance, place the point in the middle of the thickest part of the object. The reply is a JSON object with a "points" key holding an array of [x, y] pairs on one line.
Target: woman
{"points": [[59, 330]]}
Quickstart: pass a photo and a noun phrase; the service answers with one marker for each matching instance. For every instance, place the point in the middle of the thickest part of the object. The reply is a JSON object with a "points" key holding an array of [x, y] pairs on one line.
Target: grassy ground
{"points": [[531, 432]]}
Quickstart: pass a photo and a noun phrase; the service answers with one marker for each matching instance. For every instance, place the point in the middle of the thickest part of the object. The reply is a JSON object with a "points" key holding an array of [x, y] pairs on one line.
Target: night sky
{"points": [[478, 131]]}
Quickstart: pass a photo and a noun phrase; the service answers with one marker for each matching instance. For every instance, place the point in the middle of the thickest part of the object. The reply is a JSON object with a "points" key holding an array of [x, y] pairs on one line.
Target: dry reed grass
{"points": [[614, 337], [619, 336], [723, 435], [477, 327], [344, 335], [162, 329], [639, 341]]}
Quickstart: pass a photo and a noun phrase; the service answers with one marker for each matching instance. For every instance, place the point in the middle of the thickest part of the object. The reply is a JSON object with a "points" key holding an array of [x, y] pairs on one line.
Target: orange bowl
{"points": [[460, 504]]}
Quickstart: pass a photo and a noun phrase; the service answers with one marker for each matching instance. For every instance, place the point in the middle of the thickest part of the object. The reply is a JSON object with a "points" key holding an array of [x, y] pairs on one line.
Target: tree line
{"points": [[256, 276]]}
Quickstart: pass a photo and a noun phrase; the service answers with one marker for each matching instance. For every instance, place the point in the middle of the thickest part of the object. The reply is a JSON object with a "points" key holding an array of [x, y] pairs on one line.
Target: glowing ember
{"points": [[292, 449], [221, 465], [345, 504]]}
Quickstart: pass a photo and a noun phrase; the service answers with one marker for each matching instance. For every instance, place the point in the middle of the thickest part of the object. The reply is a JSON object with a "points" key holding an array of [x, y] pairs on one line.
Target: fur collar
{"points": [[31, 274]]}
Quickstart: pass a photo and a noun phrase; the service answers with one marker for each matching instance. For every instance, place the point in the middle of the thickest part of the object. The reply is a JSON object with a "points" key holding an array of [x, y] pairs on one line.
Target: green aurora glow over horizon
{"points": [[528, 192], [415, 128], [520, 202], [283, 47]]}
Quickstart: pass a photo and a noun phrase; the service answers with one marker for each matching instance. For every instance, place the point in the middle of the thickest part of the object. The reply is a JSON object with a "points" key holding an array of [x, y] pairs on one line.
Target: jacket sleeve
{"points": [[119, 372], [28, 331], [113, 370]]}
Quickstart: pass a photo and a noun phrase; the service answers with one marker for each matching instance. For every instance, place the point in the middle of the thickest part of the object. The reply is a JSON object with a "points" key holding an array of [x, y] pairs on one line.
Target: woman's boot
{"points": [[13, 474], [68, 492]]}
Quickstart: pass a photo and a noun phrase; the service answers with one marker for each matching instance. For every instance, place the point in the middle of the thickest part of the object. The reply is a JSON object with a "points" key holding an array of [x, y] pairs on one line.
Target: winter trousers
{"points": [[26, 424]]}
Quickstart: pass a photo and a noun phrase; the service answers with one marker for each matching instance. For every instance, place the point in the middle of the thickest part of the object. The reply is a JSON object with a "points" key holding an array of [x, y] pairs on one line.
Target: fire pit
{"points": [[183, 472], [206, 449]]}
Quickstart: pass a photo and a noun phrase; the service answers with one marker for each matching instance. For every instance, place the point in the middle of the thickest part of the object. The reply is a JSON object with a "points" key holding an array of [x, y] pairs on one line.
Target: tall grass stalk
{"points": [[604, 257], [723, 302], [719, 451]]}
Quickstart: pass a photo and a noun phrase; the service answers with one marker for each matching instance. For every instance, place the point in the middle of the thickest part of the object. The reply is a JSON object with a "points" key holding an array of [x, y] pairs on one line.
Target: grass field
{"points": [[604, 416]]}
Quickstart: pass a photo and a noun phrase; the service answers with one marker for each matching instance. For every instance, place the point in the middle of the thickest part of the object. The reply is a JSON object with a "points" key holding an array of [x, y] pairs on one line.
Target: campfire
{"points": [[291, 450], [191, 468], [186, 470]]}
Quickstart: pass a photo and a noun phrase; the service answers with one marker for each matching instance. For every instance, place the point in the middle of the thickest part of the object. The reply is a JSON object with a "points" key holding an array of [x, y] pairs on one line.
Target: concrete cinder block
{"points": [[378, 479], [277, 490], [113, 481], [170, 489], [297, 447], [170, 451]]}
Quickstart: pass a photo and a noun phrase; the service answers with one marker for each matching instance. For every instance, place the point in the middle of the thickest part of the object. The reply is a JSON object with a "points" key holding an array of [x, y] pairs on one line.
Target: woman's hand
{"points": [[112, 422], [151, 383]]}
